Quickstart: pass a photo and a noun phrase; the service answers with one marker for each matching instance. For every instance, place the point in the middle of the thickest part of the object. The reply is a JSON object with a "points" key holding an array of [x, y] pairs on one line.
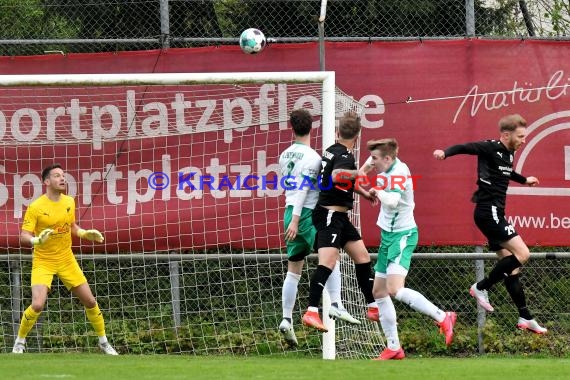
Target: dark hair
{"points": [[349, 126], [387, 147], [48, 169], [511, 122], [301, 121]]}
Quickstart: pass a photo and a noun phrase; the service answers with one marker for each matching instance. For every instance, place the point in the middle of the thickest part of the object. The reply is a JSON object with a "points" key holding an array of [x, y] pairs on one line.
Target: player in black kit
{"points": [[334, 229], [495, 170]]}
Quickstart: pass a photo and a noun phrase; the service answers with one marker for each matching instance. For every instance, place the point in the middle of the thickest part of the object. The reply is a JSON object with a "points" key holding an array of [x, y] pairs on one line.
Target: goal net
{"points": [[179, 171]]}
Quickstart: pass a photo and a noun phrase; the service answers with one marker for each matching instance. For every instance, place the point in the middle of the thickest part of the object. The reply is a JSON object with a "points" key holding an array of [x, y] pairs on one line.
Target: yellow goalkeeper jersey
{"points": [[59, 216]]}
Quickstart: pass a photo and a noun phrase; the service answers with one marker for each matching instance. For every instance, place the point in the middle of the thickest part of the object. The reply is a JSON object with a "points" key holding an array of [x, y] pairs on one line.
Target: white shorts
{"points": [[393, 268]]}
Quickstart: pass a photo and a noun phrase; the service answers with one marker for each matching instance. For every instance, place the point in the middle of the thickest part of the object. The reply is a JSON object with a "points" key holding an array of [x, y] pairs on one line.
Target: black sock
{"points": [[318, 281], [516, 291], [500, 271], [363, 276]]}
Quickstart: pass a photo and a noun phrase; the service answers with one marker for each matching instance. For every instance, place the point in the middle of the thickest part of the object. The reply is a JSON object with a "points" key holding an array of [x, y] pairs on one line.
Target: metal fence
{"points": [[230, 304], [71, 26]]}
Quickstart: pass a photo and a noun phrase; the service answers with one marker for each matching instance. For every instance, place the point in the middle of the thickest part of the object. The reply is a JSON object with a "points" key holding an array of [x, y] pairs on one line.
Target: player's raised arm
{"points": [[343, 175], [366, 167], [472, 148]]}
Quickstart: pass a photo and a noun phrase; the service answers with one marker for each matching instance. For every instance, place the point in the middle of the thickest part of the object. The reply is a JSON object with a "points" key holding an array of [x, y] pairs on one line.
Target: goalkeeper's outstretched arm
{"points": [[92, 235]]}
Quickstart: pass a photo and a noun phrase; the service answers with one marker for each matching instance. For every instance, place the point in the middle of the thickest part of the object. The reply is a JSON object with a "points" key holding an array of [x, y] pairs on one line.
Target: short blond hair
{"points": [[387, 147], [511, 122]]}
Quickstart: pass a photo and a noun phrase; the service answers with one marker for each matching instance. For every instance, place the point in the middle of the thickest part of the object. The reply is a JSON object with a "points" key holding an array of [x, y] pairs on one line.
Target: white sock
{"points": [[419, 303], [388, 322], [289, 294], [103, 339], [20, 340], [334, 285]]}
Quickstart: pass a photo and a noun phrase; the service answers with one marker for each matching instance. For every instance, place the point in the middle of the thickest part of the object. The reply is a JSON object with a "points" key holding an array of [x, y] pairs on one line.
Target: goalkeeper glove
{"points": [[92, 235], [42, 237]]}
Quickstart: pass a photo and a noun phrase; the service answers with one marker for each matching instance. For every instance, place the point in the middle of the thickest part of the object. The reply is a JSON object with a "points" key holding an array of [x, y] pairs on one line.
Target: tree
{"points": [[28, 20], [217, 19]]}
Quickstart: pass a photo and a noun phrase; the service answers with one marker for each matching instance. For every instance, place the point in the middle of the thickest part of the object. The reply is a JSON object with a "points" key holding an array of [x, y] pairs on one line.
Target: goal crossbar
{"points": [[132, 79]]}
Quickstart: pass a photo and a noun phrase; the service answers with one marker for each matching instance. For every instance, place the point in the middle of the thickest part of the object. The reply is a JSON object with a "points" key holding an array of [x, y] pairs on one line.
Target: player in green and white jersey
{"points": [[399, 237]]}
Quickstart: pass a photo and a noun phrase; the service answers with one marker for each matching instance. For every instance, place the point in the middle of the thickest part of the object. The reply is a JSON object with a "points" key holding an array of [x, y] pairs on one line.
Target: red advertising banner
{"points": [[427, 94]]}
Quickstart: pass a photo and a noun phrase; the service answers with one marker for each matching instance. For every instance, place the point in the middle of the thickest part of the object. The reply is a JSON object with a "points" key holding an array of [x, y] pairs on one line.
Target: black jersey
{"points": [[336, 156], [494, 167]]}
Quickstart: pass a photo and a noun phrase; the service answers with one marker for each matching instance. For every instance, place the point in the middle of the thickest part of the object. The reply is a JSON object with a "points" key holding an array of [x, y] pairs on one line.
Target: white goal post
{"points": [[179, 172]]}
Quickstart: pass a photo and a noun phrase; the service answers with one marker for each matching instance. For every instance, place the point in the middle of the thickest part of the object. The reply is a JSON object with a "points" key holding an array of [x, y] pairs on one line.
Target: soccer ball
{"points": [[252, 41]]}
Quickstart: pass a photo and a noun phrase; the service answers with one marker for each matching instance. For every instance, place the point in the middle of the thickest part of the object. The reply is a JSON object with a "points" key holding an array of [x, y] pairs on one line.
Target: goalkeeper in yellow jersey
{"points": [[48, 224]]}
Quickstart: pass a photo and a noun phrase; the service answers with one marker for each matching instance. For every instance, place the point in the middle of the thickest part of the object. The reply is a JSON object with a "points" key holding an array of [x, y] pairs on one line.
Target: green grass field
{"points": [[99, 367]]}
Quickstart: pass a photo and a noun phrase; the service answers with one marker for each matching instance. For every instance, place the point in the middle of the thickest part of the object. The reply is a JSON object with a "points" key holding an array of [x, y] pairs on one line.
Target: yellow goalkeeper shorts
{"points": [[67, 270]]}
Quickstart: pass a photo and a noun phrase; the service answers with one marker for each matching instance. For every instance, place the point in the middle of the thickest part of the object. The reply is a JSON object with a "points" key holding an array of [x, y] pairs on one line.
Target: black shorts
{"points": [[334, 229], [492, 223]]}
